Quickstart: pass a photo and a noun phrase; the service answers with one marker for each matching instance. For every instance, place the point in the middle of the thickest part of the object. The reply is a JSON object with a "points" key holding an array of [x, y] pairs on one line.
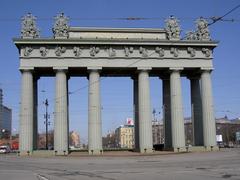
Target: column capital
{"points": [[90, 69], [60, 69], [26, 69], [206, 69], [144, 68], [176, 68]]}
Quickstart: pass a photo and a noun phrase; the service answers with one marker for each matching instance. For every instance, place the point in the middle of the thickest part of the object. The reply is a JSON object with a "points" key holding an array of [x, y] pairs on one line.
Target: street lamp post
{"points": [[47, 117]]}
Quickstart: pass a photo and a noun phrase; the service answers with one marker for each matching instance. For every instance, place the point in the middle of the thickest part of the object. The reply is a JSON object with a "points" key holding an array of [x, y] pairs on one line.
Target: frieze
{"points": [[43, 51], [60, 50], [27, 51]]}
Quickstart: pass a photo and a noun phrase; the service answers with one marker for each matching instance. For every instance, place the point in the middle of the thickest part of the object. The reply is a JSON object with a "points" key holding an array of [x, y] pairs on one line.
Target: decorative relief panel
{"points": [[128, 51], [207, 52], [160, 51], [43, 51], [27, 51], [174, 51], [77, 51], [143, 51], [191, 51], [60, 50], [93, 51]]}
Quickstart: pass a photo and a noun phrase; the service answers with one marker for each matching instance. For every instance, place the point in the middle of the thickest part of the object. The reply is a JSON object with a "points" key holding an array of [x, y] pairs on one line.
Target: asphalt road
{"points": [[193, 166]]}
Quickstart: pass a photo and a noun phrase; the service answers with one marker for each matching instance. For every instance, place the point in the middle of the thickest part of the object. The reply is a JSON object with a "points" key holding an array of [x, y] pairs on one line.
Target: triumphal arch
{"points": [[136, 52]]}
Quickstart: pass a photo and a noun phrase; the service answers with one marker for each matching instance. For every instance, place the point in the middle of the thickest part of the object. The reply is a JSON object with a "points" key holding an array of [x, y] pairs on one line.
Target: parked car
{"points": [[4, 149]]}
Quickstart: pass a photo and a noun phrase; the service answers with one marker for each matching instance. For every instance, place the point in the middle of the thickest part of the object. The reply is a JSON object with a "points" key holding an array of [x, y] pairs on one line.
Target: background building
{"points": [[5, 118], [157, 132], [125, 135]]}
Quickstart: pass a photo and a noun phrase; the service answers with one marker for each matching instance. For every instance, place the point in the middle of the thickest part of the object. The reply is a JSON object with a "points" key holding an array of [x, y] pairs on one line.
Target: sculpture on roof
{"points": [[29, 28], [202, 29], [172, 28], [60, 28]]}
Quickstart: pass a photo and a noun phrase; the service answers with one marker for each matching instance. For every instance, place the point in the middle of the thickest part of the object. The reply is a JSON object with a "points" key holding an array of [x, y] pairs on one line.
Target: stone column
{"points": [[26, 113], [144, 107], [35, 113], [167, 112], [94, 113], [136, 112], [178, 135], [61, 130], [209, 125], [196, 101]]}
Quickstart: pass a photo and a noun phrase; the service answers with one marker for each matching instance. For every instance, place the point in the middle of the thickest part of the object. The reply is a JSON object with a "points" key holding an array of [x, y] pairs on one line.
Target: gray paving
{"points": [[206, 165]]}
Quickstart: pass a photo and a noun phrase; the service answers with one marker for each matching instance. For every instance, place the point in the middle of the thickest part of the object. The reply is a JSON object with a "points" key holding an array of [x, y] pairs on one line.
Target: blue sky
{"points": [[117, 93]]}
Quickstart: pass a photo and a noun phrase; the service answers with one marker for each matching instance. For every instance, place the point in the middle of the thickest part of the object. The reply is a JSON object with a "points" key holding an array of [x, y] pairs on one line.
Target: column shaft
{"points": [[136, 112], [178, 135], [196, 101], [94, 114], [167, 113], [209, 126], [26, 113], [145, 118], [61, 114]]}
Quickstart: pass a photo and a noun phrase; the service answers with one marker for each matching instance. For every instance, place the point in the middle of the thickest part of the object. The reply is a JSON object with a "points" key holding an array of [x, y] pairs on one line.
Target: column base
{"points": [[61, 153], [25, 153], [95, 152], [179, 149], [146, 150]]}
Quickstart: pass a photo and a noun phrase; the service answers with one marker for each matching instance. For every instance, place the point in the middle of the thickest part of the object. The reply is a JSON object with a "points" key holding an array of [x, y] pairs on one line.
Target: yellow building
{"points": [[125, 136]]}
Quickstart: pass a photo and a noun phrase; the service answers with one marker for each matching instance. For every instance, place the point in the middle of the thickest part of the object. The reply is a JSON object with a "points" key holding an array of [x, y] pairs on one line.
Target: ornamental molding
{"points": [[60, 50], [111, 52]]}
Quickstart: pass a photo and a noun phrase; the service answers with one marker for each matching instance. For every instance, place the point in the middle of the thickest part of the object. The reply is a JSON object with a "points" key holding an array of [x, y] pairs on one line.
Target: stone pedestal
{"points": [[61, 128], [94, 114], [145, 118], [178, 135], [209, 124], [26, 114]]}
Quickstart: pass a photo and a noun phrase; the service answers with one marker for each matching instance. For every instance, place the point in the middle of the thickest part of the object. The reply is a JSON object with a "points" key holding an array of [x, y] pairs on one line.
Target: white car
{"points": [[4, 149]]}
